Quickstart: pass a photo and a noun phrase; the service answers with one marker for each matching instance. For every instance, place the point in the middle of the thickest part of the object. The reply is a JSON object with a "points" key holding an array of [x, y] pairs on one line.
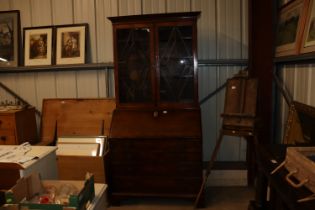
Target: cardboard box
{"points": [[33, 193], [44, 162], [73, 167]]}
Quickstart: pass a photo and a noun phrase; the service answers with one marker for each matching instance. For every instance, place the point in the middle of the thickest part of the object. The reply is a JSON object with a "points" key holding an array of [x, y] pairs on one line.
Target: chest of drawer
{"points": [[18, 126], [155, 150], [7, 122], [7, 136]]}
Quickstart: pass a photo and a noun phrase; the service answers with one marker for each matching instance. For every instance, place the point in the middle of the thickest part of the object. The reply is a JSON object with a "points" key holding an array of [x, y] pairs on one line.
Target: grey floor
{"points": [[217, 198]]}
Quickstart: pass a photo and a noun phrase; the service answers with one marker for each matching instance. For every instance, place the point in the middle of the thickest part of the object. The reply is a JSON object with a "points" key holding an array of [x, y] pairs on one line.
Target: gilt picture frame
{"points": [[38, 45], [71, 44], [308, 43], [10, 38], [291, 20]]}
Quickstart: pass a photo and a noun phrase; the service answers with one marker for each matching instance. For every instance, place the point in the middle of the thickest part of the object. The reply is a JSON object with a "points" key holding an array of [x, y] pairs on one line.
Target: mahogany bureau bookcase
{"points": [[155, 137]]}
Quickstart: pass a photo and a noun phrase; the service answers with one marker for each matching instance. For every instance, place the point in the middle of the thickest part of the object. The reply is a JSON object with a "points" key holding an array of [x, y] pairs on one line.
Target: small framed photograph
{"points": [[10, 38], [291, 20], [71, 44], [308, 43], [38, 46]]}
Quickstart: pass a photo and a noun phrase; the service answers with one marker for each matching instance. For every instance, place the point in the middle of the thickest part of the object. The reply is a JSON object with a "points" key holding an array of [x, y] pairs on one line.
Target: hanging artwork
{"points": [[308, 43], [38, 46], [291, 20], [9, 38], [71, 44]]}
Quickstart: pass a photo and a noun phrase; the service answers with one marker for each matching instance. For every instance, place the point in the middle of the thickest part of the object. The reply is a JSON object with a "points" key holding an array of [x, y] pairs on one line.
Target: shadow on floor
{"points": [[217, 198]]}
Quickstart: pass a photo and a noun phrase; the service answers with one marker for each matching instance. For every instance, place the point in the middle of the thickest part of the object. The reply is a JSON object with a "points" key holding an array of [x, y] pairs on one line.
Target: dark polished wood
{"points": [[155, 154], [160, 17], [152, 69], [18, 126], [261, 55], [155, 137], [282, 195]]}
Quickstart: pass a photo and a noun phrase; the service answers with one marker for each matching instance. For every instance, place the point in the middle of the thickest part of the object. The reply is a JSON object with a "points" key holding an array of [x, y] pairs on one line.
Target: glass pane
{"points": [[133, 47], [176, 64]]}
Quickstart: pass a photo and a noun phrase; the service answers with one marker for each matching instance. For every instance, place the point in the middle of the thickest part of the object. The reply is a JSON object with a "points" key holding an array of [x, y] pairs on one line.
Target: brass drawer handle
{"points": [[295, 185]]}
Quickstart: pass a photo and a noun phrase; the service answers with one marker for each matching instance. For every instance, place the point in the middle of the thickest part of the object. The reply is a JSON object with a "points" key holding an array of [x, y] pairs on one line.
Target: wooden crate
{"points": [[77, 117], [300, 164]]}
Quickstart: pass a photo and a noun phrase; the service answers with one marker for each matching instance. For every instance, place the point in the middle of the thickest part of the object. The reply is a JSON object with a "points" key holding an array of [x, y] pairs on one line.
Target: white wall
{"points": [[222, 34]]}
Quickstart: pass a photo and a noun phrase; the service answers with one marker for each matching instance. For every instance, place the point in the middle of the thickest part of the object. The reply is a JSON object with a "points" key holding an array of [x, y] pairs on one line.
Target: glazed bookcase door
{"points": [[176, 65], [134, 62]]}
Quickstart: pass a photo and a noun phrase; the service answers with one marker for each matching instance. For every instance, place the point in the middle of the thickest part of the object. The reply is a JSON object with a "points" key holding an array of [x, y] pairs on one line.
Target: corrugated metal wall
{"points": [[222, 34], [297, 79]]}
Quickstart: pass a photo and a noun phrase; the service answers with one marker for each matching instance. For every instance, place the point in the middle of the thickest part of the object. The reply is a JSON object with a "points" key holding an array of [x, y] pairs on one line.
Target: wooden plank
{"points": [[61, 111]]}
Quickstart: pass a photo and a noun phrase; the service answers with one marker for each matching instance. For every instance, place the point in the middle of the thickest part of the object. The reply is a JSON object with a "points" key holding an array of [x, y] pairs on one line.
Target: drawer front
{"points": [[157, 169], [7, 136], [156, 151], [7, 122]]}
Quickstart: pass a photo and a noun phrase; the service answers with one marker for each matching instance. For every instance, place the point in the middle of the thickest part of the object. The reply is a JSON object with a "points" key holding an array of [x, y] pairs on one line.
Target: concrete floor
{"points": [[217, 198]]}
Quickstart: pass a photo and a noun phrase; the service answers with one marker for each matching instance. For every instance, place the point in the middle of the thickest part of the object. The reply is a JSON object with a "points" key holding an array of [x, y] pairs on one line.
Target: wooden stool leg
{"points": [[250, 161], [208, 170]]}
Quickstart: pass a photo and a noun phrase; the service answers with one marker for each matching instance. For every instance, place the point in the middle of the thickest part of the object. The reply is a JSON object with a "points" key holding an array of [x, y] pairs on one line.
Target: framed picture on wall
{"points": [[71, 44], [10, 39], [291, 20], [308, 43], [38, 45], [283, 2]]}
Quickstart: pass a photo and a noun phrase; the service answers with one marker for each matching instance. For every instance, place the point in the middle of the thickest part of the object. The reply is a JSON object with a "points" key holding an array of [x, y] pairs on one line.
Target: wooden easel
{"points": [[239, 119]]}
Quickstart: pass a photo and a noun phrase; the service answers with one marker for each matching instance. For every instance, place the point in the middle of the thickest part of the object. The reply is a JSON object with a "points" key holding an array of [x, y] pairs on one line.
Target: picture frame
{"points": [[101, 140], [308, 41], [10, 38], [71, 43], [283, 2], [78, 149], [38, 45], [291, 20]]}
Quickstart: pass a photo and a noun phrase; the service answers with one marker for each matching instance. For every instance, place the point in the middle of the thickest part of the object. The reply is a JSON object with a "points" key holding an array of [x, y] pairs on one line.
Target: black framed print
{"points": [[10, 38], [38, 46], [71, 44]]}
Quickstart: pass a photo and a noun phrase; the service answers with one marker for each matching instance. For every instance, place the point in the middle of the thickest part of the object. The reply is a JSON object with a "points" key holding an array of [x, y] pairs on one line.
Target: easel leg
{"points": [[250, 161], [208, 170]]}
